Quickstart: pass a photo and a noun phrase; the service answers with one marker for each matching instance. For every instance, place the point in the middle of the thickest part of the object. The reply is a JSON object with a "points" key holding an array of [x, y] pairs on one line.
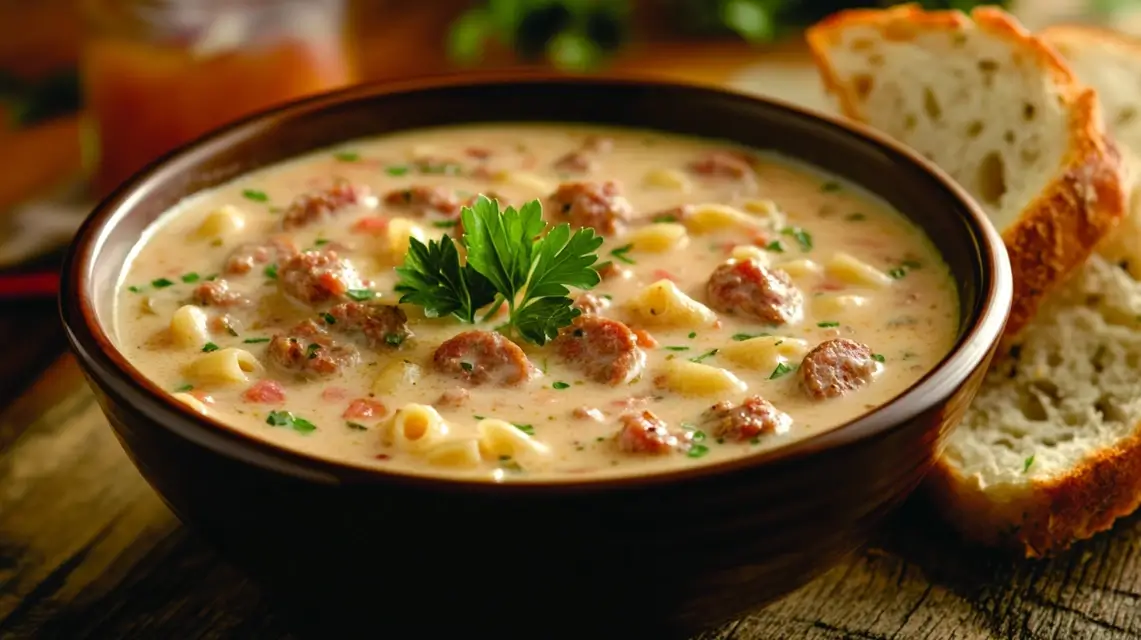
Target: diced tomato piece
{"points": [[331, 283], [663, 274], [760, 239], [372, 225], [645, 339], [332, 394], [479, 153], [364, 408], [265, 392]]}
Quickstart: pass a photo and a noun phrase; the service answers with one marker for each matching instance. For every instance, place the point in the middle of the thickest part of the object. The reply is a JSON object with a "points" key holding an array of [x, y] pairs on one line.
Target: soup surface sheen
{"points": [[745, 302]]}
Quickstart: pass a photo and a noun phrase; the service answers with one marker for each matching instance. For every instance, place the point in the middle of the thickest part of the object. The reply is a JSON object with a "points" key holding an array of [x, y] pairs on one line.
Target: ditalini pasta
{"points": [[733, 302]]}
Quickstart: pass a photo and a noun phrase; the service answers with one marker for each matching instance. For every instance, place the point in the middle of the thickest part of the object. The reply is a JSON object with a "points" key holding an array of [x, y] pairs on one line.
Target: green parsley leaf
{"points": [[190, 278], [397, 170], [878, 357], [255, 195], [775, 246], [312, 349], [692, 335], [671, 348], [780, 371], [1026, 464], [664, 217], [830, 186], [184, 388], [209, 346], [161, 283], [525, 428], [620, 254], [134, 289], [360, 295], [320, 242], [560, 385], [432, 277], [255, 340], [393, 339], [271, 272], [697, 451], [287, 419], [827, 325], [328, 318], [541, 320], [800, 235], [501, 244], [704, 356], [741, 337], [347, 156], [355, 426]]}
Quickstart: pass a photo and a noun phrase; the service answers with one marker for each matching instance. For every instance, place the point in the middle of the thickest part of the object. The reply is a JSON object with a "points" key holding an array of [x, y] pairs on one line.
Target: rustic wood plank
{"points": [[88, 551]]}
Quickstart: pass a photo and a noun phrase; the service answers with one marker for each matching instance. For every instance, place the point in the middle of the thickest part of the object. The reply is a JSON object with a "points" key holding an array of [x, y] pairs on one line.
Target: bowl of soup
{"points": [[539, 356]]}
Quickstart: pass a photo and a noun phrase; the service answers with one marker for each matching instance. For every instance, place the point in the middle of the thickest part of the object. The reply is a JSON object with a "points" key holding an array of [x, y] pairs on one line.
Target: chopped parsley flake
{"points": [[479, 417], [355, 426], [903, 269], [161, 283], [271, 272], [467, 366], [664, 217], [208, 347], [780, 371], [287, 419], [620, 254], [830, 186], [444, 224], [827, 325], [446, 168], [255, 195], [560, 385], [320, 242], [328, 318], [801, 236], [255, 340], [741, 337], [525, 428], [675, 348], [312, 349], [855, 217], [707, 354], [184, 388], [1026, 464], [393, 339], [775, 246], [396, 170], [692, 335], [697, 451], [347, 156], [878, 357], [134, 289], [360, 295], [190, 278]]}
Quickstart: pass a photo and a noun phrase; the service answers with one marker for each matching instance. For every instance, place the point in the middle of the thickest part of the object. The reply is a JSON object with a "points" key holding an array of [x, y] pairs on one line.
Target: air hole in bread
{"points": [[1032, 407], [863, 44], [991, 178], [875, 60], [1046, 388], [1004, 443], [1029, 155], [1125, 115], [1053, 360], [1008, 137], [909, 121], [1028, 111], [1110, 409], [1100, 359], [958, 39], [931, 104], [863, 85], [988, 66], [975, 128]]}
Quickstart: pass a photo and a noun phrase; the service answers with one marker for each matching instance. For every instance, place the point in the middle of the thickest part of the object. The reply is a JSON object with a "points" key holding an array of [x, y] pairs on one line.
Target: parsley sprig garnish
{"points": [[509, 261]]}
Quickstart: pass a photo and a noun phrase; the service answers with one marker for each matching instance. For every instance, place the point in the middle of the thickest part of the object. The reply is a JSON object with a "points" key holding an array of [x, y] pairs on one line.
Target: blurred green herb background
{"points": [[580, 34]]}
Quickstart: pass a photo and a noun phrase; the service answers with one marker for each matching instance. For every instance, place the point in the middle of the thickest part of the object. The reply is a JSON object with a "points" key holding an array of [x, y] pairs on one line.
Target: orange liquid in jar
{"points": [[144, 100]]}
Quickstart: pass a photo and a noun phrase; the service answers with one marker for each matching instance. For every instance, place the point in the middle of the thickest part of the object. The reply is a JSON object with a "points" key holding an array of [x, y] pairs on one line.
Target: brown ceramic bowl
{"points": [[643, 557]]}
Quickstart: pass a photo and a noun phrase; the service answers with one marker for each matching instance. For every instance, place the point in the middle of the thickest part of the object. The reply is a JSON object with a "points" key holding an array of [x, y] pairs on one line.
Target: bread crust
{"points": [[1057, 231], [1046, 516]]}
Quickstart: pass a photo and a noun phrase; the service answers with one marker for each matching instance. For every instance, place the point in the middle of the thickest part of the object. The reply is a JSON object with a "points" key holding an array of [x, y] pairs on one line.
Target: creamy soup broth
{"points": [[746, 301]]}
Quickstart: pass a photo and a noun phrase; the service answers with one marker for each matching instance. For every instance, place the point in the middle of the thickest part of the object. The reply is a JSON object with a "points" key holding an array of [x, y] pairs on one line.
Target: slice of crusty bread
{"points": [[1000, 112], [1050, 451]]}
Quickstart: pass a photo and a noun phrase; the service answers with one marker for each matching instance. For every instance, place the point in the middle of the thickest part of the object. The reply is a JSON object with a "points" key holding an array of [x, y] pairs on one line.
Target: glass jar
{"points": [[159, 73]]}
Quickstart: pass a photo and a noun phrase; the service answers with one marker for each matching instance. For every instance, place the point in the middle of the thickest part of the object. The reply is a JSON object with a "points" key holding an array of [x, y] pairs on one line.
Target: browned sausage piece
{"points": [[722, 164], [591, 303], [317, 205], [598, 205], [835, 367], [383, 326], [644, 432], [246, 256], [317, 276], [605, 350], [217, 294], [307, 350], [748, 288], [582, 160], [421, 200], [480, 357], [753, 418]]}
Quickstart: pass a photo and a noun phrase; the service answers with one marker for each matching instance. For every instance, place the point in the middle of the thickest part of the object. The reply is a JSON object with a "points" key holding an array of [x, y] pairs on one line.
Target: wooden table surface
{"points": [[87, 550]]}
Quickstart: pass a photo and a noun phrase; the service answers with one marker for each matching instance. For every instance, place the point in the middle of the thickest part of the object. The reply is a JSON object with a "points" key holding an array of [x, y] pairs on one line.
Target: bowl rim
{"points": [[88, 339]]}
